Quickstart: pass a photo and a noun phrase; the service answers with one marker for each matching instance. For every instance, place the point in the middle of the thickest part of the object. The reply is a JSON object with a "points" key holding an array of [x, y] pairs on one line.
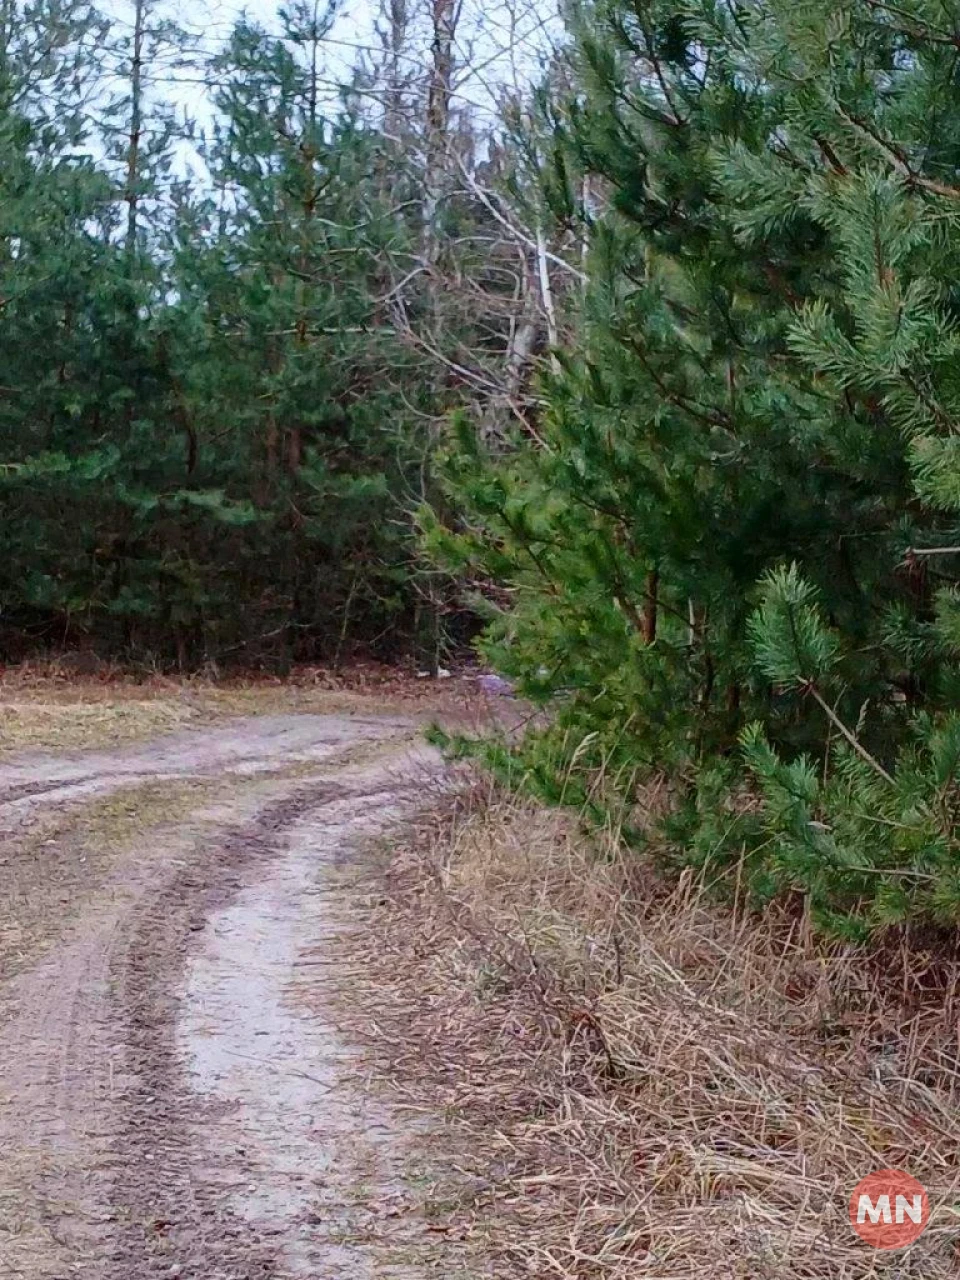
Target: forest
{"points": [[228, 339], [622, 343]]}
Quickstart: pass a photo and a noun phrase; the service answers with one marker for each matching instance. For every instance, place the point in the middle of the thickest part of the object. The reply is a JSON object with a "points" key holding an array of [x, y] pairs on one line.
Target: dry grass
{"points": [[638, 1084], [56, 706], [71, 726], [58, 863]]}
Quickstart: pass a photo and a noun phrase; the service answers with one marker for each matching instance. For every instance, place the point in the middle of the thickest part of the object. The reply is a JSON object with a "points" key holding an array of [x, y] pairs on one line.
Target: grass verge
{"points": [[53, 706], [636, 1083]]}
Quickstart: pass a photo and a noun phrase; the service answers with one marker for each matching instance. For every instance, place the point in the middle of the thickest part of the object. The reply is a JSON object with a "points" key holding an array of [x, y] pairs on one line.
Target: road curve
{"points": [[175, 1096]]}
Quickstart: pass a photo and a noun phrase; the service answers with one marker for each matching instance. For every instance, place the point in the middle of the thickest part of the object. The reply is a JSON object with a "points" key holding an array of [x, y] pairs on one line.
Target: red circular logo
{"points": [[889, 1209]]}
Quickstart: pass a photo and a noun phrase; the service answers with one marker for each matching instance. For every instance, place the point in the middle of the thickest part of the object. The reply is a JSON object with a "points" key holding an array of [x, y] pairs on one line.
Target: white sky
{"points": [[499, 42]]}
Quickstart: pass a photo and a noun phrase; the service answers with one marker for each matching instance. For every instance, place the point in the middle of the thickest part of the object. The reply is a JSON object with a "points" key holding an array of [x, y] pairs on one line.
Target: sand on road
{"points": [[174, 1100]]}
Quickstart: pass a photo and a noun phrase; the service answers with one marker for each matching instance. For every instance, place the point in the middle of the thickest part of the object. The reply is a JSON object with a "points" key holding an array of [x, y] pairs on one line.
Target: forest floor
{"points": [[641, 1080], [181, 1088]]}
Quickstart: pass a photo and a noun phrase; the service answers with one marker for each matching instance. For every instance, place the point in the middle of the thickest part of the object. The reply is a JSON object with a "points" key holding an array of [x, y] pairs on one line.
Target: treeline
{"points": [[732, 547], [224, 361]]}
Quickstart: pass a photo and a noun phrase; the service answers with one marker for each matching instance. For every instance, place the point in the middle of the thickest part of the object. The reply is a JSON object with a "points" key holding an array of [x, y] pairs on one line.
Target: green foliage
{"points": [[792, 646], [209, 437], [728, 543], [866, 853]]}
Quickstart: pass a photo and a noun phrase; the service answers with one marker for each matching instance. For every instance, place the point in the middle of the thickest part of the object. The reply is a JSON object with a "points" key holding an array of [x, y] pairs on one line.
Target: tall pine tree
{"points": [[742, 502]]}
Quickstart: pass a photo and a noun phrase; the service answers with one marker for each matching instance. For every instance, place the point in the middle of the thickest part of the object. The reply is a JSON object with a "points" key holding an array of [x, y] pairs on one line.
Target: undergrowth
{"points": [[640, 1083]]}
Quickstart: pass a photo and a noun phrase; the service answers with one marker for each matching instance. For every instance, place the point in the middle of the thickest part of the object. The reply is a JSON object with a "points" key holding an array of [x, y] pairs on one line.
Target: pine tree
{"points": [[52, 197], [288, 355], [201, 372], [756, 415]]}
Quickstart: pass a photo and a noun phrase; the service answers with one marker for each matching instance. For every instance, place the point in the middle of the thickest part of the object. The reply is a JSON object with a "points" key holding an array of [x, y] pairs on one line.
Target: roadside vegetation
{"points": [[634, 1082], [49, 706], [727, 557]]}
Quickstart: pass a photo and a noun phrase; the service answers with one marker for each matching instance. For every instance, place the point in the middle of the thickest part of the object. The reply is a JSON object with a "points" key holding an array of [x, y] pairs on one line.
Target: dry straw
{"points": [[638, 1083]]}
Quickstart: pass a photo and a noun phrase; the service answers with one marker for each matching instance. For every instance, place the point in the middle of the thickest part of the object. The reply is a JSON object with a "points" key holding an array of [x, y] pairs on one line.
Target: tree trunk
{"points": [[444, 15], [136, 127], [650, 607]]}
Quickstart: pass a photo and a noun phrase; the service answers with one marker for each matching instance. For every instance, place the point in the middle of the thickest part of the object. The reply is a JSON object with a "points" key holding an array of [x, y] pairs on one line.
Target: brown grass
{"points": [[35, 725], [638, 1084], [58, 863], [54, 706]]}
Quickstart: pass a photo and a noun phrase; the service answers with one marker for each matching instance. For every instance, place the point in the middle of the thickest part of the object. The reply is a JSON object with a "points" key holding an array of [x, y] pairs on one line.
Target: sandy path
{"points": [[173, 1100], [247, 746]]}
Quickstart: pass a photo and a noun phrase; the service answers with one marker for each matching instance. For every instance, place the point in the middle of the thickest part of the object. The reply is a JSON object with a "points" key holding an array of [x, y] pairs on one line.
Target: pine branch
{"points": [[900, 162], [850, 737]]}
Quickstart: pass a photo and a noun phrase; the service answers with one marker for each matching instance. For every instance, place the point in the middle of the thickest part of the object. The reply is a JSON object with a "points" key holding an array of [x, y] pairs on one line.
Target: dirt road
{"points": [[175, 1099]]}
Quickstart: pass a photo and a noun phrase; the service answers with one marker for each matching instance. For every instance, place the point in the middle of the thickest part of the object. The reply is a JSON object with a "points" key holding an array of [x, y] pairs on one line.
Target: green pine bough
{"points": [[729, 556]]}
